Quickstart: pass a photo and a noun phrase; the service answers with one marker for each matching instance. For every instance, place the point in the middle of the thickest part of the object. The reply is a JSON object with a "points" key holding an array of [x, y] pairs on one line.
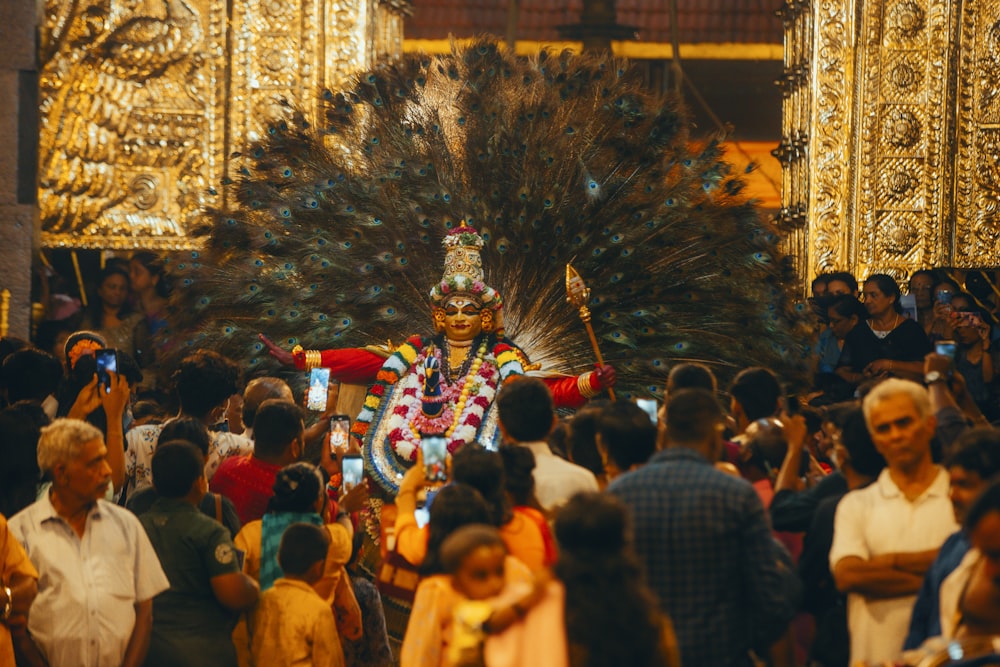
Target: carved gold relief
{"points": [[143, 102], [896, 178]]}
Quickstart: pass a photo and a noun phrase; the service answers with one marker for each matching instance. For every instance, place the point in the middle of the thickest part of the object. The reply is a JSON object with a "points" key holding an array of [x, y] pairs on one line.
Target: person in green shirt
{"points": [[194, 618]]}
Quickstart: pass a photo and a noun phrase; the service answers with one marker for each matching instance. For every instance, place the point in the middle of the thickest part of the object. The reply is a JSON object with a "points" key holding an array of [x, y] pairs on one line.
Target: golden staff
{"points": [[577, 294], [4, 312]]}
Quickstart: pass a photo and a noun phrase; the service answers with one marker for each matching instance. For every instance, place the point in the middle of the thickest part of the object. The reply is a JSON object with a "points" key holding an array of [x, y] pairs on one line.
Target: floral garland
{"points": [[465, 401]]}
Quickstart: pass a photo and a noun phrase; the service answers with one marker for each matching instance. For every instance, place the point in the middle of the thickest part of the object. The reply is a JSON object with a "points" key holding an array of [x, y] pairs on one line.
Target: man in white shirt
{"points": [[98, 573], [527, 416], [887, 535]]}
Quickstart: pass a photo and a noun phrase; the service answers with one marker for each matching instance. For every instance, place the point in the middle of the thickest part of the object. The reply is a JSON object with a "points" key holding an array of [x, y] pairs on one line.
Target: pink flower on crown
{"points": [[478, 287]]}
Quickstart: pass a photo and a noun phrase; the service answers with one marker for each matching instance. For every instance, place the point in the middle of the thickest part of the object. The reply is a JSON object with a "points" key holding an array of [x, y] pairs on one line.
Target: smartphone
{"points": [[353, 468], [945, 348], [648, 406], [107, 363], [435, 451], [340, 429], [944, 296], [319, 382]]}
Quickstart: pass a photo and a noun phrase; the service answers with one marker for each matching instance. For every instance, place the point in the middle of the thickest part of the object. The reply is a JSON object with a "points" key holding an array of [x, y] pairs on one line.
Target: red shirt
{"points": [[248, 482]]}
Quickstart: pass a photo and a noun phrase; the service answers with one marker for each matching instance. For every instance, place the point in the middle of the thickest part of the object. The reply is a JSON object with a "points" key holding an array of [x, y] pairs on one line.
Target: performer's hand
{"points": [[283, 356], [605, 376]]}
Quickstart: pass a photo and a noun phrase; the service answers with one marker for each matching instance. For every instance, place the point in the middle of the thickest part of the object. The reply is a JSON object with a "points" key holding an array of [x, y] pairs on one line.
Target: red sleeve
{"points": [[352, 365], [565, 393]]}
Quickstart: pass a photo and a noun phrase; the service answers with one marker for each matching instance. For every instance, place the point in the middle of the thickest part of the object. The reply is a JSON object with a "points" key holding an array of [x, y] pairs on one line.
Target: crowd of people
{"points": [[855, 521]]}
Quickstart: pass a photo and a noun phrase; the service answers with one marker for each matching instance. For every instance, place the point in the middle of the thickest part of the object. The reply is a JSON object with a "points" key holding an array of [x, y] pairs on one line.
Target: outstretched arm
{"points": [[572, 392], [349, 365]]}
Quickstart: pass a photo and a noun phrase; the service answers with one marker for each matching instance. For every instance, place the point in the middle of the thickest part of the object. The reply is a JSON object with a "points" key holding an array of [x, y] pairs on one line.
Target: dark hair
{"points": [[857, 440], [582, 443], [20, 428], [692, 376], [204, 380], [525, 409], [611, 616], [30, 374], [176, 466], [483, 470], [156, 267], [519, 480], [955, 287], [845, 277], [692, 416], [888, 286], [627, 433], [847, 305], [757, 390], [302, 546], [188, 429], [821, 279], [988, 501], [454, 506], [277, 425], [296, 488], [463, 541], [96, 309], [977, 450], [149, 410]]}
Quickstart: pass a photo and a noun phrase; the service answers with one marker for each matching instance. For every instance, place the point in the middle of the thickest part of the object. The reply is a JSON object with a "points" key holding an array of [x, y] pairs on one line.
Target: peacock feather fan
{"points": [[332, 232]]}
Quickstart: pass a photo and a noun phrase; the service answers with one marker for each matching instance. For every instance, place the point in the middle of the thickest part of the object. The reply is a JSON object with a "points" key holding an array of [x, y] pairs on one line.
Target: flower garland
{"points": [[466, 401]]}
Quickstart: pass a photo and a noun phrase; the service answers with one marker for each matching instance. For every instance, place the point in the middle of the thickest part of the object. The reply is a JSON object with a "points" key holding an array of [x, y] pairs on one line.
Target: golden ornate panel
{"points": [[143, 102], [903, 134]]}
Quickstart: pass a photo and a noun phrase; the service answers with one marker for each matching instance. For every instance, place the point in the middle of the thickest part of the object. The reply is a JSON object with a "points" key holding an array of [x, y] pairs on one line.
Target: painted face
{"points": [[481, 575], [87, 476], [840, 325], [966, 485], [922, 289], [462, 319], [114, 290], [900, 434]]}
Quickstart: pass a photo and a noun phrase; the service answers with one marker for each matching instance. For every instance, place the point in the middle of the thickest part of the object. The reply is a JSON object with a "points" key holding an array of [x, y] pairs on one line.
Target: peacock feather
{"points": [[333, 237]]}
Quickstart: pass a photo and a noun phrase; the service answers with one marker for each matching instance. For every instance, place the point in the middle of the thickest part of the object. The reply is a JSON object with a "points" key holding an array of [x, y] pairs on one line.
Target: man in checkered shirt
{"points": [[704, 540]]}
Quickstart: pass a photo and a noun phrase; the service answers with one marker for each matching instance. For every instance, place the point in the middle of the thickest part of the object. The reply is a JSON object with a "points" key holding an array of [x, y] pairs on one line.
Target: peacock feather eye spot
{"points": [[228, 330], [256, 204], [446, 197], [258, 152], [271, 312], [687, 163], [461, 120], [345, 322], [325, 264], [289, 265], [259, 262], [253, 288], [626, 252], [187, 282], [286, 172], [403, 261], [598, 252], [321, 242], [375, 141], [592, 184], [285, 212], [268, 235], [293, 313], [377, 221], [350, 209], [230, 222], [321, 317], [656, 363], [617, 238], [547, 203], [213, 191], [570, 130], [204, 301], [258, 347], [669, 202]]}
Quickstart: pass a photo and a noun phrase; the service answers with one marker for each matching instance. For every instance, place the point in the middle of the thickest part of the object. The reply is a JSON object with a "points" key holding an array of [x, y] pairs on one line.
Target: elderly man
{"points": [[98, 571], [887, 535]]}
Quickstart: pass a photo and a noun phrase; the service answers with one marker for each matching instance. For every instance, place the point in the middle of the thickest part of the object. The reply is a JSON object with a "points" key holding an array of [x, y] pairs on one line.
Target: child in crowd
{"points": [[293, 625], [476, 597]]}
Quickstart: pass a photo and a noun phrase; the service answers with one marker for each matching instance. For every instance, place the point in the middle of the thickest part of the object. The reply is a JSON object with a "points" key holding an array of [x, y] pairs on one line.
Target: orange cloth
{"points": [[521, 534], [14, 563]]}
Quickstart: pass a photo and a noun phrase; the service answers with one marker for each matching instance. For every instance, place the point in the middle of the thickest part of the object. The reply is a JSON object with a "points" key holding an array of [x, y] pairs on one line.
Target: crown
{"points": [[463, 270]]}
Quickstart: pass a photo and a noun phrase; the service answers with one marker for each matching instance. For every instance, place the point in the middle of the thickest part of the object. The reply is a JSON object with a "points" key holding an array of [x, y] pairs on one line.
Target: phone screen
{"points": [[319, 382], [945, 348], [435, 450], [107, 363], [353, 468], [648, 406], [340, 429]]}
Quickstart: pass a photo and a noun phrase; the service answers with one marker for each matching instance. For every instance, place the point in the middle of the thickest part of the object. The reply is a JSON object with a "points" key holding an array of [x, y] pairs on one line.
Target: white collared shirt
{"points": [[84, 615], [876, 520], [557, 480]]}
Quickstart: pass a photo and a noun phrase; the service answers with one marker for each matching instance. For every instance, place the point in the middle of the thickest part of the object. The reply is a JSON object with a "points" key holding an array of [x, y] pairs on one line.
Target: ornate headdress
{"points": [[463, 271]]}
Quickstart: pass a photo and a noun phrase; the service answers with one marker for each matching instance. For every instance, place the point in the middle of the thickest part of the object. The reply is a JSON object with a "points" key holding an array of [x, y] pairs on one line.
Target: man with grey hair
{"points": [[887, 534], [98, 571]]}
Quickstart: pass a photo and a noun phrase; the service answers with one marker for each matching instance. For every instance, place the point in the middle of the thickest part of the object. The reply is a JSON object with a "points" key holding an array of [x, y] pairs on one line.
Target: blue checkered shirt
{"points": [[708, 553]]}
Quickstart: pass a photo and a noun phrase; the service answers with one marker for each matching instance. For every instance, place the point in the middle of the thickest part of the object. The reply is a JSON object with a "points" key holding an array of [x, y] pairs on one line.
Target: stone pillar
{"points": [[18, 159]]}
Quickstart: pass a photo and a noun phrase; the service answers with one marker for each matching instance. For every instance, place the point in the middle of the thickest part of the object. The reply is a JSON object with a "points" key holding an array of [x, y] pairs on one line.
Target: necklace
{"points": [[461, 368]]}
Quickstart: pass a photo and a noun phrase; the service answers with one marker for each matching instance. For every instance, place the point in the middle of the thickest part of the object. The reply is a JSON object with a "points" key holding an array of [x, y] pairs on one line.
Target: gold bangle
{"points": [[584, 385], [314, 359]]}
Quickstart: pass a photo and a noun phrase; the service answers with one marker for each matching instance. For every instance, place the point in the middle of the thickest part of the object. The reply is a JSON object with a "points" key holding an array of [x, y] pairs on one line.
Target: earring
{"points": [[486, 317], [438, 315]]}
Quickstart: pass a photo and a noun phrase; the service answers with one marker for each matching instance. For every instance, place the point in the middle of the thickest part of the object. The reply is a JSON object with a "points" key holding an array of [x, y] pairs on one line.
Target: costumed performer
{"points": [[474, 357]]}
